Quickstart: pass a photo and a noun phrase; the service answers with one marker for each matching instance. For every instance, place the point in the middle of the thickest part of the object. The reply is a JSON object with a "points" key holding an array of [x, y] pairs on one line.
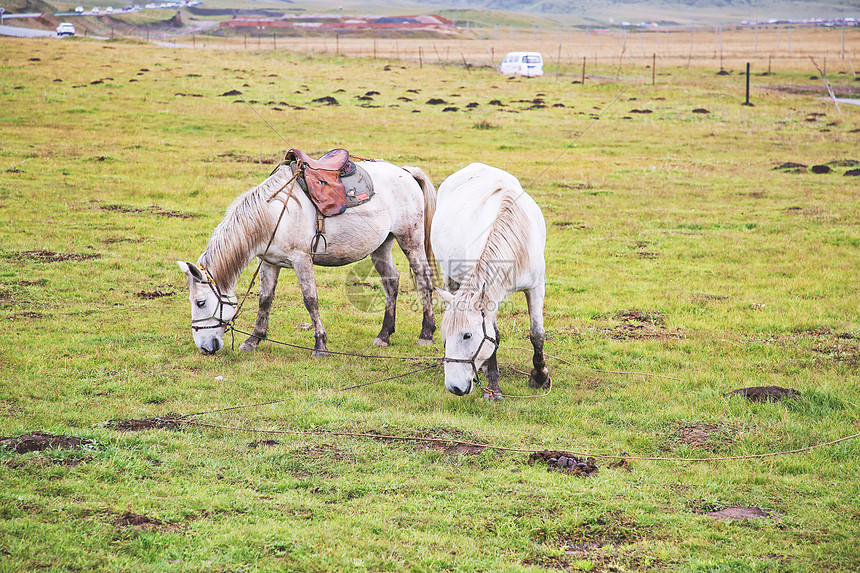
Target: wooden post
{"points": [[337, 44], [246, 41], [558, 63], [653, 69], [583, 71], [465, 63], [441, 61], [274, 41], [748, 85], [374, 48], [421, 57]]}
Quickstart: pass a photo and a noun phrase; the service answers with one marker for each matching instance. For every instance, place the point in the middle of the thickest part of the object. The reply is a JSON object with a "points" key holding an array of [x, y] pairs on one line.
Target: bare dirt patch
{"points": [[641, 325], [710, 437], [151, 210], [241, 158], [136, 520], [738, 512], [38, 441], [43, 256]]}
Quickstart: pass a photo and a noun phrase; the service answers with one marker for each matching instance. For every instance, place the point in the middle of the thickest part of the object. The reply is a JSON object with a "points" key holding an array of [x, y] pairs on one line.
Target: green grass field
{"points": [[685, 261]]}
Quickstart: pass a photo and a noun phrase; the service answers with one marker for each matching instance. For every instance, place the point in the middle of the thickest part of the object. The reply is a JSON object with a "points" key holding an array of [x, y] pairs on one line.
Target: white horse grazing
{"points": [[400, 210], [489, 236]]}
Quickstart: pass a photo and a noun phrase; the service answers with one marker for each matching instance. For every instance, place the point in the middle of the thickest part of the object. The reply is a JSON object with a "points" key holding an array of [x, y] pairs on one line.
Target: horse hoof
{"points": [[492, 397], [248, 346], [319, 353], [539, 380], [425, 341], [379, 342]]}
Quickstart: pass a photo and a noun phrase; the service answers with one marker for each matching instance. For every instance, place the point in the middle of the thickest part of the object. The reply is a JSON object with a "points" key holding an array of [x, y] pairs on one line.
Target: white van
{"points": [[522, 64]]}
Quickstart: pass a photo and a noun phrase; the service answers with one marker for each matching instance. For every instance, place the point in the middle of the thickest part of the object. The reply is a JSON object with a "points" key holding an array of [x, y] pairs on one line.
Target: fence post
{"points": [[747, 103], [583, 71], [653, 68]]}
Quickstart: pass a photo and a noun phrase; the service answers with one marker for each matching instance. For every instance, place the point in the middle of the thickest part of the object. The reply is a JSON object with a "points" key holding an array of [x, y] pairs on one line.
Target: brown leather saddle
{"points": [[333, 183]]}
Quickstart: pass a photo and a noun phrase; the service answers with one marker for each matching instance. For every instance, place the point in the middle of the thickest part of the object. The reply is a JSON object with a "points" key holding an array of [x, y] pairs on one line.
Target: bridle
{"points": [[487, 338], [218, 314]]}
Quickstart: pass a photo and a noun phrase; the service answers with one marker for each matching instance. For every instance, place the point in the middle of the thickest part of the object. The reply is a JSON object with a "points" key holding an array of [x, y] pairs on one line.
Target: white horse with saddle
{"points": [[489, 237], [280, 224]]}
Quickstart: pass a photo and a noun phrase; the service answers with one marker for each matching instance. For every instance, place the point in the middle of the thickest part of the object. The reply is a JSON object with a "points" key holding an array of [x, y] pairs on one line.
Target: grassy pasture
{"points": [[683, 263]]}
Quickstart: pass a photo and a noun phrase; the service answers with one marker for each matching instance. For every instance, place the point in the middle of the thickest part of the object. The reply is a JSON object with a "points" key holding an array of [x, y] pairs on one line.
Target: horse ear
{"points": [[446, 297], [191, 270], [479, 300]]}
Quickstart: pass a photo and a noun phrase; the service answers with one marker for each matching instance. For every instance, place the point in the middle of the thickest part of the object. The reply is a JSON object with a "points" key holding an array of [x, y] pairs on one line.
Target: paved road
{"points": [[26, 32]]}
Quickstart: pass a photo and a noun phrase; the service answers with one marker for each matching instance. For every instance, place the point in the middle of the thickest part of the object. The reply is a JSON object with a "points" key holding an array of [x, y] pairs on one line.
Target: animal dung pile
{"points": [[766, 393], [565, 462]]}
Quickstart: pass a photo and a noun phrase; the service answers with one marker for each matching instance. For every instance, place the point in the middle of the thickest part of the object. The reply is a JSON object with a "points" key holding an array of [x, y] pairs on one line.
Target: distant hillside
{"points": [[680, 11]]}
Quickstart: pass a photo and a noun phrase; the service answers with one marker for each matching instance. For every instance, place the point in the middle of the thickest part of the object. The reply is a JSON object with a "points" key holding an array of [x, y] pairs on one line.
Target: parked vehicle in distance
{"points": [[65, 29], [522, 64], [79, 10]]}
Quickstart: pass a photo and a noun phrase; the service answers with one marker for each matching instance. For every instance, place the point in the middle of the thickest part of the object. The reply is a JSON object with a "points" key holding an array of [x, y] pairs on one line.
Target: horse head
{"points": [[211, 308], [470, 339]]}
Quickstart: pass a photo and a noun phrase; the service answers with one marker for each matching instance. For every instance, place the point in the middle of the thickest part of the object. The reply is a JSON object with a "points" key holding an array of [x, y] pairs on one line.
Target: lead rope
{"points": [[271, 239]]}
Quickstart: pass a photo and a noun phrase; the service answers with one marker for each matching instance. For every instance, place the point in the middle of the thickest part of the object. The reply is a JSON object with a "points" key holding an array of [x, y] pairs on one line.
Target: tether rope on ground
{"points": [[504, 448], [335, 352], [186, 421]]}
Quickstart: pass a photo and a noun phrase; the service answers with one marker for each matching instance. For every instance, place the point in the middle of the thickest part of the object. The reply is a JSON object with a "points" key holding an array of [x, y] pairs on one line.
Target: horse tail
{"points": [[429, 192]]}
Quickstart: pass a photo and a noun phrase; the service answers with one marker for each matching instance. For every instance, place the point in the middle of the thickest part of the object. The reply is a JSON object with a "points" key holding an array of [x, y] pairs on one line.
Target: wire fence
{"points": [[769, 48]]}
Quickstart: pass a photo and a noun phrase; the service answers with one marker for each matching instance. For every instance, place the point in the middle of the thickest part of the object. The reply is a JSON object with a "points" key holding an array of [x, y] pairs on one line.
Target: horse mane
{"points": [[504, 258], [247, 224]]}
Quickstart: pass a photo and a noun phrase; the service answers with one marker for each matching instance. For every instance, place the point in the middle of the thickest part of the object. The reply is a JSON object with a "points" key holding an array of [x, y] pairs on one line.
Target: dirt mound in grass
{"points": [[37, 441], [129, 519]]}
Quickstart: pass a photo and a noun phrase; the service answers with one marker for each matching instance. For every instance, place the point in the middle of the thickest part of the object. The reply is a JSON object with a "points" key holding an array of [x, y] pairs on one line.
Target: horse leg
{"points": [[424, 281], [304, 267], [383, 262], [268, 283], [539, 376], [493, 374]]}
